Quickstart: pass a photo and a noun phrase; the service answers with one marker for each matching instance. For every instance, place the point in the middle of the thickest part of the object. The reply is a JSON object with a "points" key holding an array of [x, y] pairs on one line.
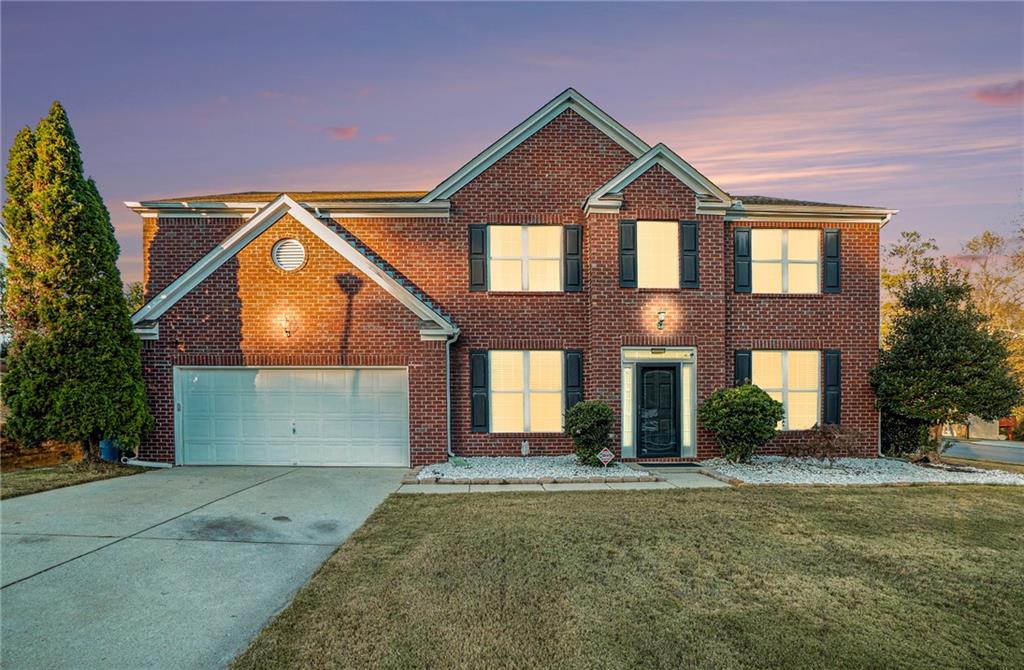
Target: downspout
{"points": [[448, 387]]}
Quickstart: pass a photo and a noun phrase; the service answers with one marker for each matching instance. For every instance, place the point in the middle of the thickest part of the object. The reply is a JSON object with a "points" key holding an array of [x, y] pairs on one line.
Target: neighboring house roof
{"points": [[304, 196], [769, 200], [568, 99], [354, 251]]}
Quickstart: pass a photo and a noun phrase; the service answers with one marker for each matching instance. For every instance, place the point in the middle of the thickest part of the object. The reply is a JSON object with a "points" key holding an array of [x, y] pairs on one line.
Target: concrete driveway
{"points": [[172, 568]]}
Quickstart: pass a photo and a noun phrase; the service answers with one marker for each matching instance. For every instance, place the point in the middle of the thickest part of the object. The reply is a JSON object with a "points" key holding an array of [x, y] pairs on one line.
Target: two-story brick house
{"points": [[568, 260]]}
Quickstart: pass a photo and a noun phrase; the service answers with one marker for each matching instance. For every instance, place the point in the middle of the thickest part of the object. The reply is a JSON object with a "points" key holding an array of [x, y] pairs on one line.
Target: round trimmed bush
{"points": [[589, 424], [742, 419]]}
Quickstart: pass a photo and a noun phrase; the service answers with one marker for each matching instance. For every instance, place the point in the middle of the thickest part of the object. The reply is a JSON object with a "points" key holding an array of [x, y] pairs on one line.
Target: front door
{"points": [[658, 411]]}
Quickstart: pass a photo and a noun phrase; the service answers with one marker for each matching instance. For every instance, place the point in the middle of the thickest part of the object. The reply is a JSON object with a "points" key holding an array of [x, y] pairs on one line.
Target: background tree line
{"points": [[952, 336]]}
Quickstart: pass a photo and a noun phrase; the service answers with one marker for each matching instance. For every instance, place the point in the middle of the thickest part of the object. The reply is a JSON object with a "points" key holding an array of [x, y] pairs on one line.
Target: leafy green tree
{"points": [[905, 259], [940, 362], [75, 372], [134, 295]]}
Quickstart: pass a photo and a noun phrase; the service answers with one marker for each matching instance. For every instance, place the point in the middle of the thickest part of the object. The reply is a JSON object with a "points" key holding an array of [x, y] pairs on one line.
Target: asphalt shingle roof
{"points": [[769, 200]]}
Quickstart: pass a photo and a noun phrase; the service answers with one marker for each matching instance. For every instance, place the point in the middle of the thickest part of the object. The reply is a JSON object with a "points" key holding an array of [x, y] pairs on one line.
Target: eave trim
{"points": [[608, 198], [256, 226]]}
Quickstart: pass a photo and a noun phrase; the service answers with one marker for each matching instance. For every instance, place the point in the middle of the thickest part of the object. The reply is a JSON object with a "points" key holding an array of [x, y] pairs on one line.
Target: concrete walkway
{"points": [[674, 479], [173, 568]]}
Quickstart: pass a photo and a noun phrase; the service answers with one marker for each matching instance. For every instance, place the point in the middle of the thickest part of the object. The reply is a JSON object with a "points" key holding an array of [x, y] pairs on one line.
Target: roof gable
{"points": [[349, 247], [568, 99], [709, 196]]}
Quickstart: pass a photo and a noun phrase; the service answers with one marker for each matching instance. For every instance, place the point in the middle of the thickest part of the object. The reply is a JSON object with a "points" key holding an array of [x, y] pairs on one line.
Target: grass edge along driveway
{"points": [[37, 480], [727, 578]]}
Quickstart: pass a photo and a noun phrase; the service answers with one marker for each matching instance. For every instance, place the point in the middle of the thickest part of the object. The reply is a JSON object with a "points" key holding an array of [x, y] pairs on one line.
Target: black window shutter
{"points": [[573, 377], [478, 389], [627, 254], [742, 367], [573, 258], [831, 283], [741, 251], [478, 257], [690, 277], [832, 386]]}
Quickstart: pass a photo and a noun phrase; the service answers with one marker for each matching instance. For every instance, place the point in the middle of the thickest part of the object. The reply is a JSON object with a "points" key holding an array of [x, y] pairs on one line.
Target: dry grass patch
{"points": [[13, 484], [724, 578]]}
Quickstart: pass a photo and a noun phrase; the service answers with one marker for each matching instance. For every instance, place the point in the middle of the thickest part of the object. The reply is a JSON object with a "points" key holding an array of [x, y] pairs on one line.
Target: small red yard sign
{"points": [[605, 456]]}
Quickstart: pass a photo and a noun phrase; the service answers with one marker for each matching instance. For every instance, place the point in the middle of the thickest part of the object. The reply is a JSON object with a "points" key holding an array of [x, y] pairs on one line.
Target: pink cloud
{"points": [[1001, 95], [384, 139], [271, 94], [342, 133]]}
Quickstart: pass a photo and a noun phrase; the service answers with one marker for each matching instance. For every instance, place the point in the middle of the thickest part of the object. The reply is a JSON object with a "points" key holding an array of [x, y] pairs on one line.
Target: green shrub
{"points": [[742, 419], [589, 424], [902, 435]]}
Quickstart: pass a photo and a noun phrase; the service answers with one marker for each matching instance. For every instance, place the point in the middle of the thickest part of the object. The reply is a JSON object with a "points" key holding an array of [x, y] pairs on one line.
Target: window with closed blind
{"points": [[792, 378], [524, 258], [526, 391]]}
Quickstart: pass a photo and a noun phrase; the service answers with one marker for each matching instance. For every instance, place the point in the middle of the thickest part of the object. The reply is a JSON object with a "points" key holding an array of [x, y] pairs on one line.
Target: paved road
{"points": [[172, 568]]}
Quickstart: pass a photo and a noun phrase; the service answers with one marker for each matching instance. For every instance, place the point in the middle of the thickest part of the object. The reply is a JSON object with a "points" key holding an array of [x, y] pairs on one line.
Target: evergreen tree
{"points": [[81, 362], [18, 305], [941, 363]]}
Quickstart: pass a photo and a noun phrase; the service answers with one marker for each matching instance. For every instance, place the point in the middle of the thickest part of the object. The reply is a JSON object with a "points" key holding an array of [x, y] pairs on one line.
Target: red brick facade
{"points": [[339, 317]]}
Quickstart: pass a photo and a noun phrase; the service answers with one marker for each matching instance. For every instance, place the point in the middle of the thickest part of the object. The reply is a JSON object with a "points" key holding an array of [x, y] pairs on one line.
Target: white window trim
{"points": [[785, 387], [524, 258], [524, 390], [785, 263]]}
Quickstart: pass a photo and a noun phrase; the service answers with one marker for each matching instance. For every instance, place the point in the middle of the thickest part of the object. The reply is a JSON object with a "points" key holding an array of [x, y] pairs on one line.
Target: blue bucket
{"points": [[109, 451]]}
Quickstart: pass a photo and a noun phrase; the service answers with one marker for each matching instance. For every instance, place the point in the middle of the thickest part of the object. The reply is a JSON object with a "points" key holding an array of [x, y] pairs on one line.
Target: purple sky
{"points": [[912, 106]]}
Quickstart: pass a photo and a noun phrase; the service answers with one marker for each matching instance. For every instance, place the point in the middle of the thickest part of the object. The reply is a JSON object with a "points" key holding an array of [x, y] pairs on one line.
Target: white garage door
{"points": [[292, 416]]}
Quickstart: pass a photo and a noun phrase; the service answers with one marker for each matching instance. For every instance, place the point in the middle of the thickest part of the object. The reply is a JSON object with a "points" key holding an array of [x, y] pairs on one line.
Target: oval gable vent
{"points": [[288, 254]]}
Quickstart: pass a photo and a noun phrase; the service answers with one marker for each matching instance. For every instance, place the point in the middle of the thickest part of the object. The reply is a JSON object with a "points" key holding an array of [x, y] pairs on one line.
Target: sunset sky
{"points": [[915, 106]]}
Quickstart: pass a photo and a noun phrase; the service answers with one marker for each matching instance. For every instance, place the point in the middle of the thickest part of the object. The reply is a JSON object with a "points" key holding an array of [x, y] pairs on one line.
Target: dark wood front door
{"points": [[658, 411]]}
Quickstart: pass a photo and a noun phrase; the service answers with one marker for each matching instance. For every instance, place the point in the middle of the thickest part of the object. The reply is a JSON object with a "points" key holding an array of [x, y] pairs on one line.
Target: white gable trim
{"points": [[710, 198], [568, 99], [256, 226]]}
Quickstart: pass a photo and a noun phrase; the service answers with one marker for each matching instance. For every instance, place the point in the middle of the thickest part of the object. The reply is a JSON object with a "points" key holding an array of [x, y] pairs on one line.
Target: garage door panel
{"points": [[341, 416]]}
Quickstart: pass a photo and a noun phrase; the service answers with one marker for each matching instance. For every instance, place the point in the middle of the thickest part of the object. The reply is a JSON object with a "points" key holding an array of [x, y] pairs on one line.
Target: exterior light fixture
{"points": [[661, 319], [286, 324]]}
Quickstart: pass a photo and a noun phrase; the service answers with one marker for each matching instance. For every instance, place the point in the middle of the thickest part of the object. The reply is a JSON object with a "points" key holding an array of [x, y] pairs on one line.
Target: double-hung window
{"points": [[657, 250], [526, 391], [785, 260], [524, 258], [792, 378]]}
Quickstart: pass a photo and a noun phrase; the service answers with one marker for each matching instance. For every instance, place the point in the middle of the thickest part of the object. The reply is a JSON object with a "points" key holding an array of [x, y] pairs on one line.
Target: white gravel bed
{"points": [[779, 470], [530, 467]]}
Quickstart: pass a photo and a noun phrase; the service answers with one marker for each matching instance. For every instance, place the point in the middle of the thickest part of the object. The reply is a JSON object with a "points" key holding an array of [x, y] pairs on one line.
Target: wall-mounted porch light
{"points": [[286, 324], [661, 319]]}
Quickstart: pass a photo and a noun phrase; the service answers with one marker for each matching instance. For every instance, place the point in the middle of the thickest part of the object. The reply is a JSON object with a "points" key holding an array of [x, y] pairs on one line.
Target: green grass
{"points": [[13, 484], [897, 577]]}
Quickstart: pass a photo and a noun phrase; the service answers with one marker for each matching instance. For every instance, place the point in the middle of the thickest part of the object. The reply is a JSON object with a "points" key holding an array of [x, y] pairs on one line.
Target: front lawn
{"points": [[23, 482], [897, 577]]}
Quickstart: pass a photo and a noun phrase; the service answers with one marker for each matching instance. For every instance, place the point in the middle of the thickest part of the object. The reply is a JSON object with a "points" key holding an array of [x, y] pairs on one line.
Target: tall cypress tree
{"points": [[82, 363], [18, 305], [27, 386]]}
